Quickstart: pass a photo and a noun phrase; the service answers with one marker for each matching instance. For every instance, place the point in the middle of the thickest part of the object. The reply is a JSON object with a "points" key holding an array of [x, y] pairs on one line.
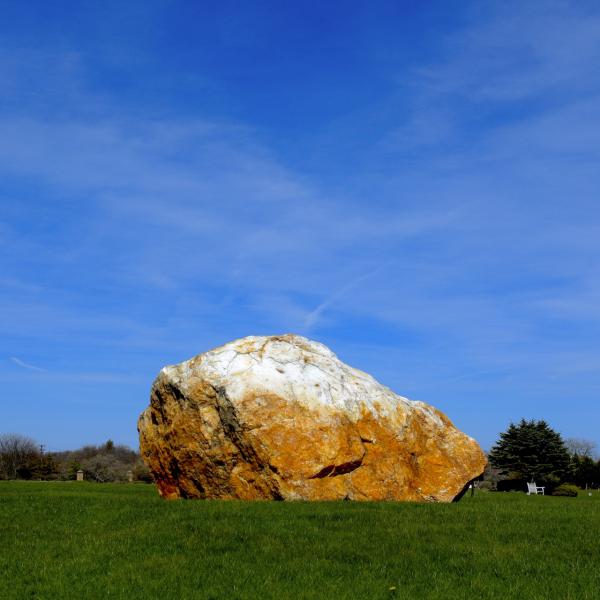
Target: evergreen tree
{"points": [[531, 450]]}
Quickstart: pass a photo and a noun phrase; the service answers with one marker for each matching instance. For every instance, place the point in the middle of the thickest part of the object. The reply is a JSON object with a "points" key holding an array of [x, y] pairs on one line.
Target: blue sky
{"points": [[415, 184]]}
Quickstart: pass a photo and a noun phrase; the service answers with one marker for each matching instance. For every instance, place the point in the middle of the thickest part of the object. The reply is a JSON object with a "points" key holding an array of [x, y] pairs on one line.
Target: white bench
{"points": [[534, 489]]}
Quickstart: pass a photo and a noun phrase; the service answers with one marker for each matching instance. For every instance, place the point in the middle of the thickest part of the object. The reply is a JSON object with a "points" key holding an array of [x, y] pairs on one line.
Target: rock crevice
{"points": [[335, 470]]}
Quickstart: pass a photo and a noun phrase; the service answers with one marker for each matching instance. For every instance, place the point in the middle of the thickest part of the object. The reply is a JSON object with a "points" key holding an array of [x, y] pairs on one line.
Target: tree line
{"points": [[22, 458], [531, 451]]}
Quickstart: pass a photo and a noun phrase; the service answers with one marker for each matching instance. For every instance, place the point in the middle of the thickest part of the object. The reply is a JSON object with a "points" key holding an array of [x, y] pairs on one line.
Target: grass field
{"points": [[83, 540]]}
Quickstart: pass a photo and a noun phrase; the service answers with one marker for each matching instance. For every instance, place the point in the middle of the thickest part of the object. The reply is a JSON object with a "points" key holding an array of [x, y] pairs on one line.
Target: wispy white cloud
{"points": [[24, 365], [507, 53], [313, 317]]}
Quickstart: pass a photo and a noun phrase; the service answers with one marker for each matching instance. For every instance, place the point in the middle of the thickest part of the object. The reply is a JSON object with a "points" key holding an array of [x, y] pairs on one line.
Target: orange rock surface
{"points": [[282, 417]]}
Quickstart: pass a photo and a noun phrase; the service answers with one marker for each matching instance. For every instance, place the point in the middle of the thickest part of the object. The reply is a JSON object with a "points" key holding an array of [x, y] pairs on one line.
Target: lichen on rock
{"points": [[281, 417]]}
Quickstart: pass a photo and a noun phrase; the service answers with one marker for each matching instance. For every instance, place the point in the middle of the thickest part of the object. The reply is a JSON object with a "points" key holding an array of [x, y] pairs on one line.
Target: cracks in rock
{"points": [[236, 354], [342, 469], [280, 362], [413, 460], [158, 401], [234, 432], [324, 472], [329, 391], [346, 467], [227, 414], [315, 366], [293, 391]]}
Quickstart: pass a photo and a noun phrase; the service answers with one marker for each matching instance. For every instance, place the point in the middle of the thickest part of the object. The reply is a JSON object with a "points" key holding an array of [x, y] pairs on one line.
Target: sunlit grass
{"points": [[81, 540]]}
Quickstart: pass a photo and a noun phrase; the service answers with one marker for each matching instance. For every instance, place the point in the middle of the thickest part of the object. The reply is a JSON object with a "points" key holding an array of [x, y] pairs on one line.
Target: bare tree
{"points": [[581, 447], [16, 452]]}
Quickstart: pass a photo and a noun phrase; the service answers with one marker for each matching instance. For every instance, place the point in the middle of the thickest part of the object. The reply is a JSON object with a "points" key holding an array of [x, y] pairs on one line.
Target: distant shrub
{"points": [[566, 489], [22, 458], [512, 485], [18, 456], [551, 482], [487, 486], [141, 472]]}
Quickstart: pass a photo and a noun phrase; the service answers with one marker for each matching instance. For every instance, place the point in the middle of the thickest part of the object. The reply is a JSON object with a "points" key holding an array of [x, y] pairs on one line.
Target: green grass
{"points": [[82, 540]]}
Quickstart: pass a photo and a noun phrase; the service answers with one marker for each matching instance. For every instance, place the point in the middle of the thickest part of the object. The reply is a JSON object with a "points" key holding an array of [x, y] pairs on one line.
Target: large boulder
{"points": [[282, 417]]}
